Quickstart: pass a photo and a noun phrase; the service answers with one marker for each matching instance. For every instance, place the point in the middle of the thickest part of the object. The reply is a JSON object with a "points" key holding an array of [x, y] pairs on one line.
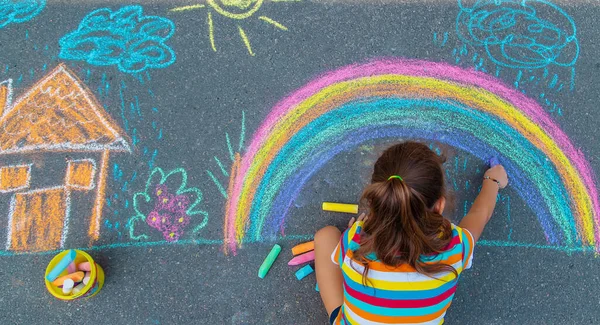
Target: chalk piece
{"points": [[301, 259], [76, 277], [86, 278], [78, 288], [62, 265], [340, 207], [67, 286], [317, 287], [303, 272], [493, 161], [303, 248], [72, 268], [268, 262], [85, 266]]}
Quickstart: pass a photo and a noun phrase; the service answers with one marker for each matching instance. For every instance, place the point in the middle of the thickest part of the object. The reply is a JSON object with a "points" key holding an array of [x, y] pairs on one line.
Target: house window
{"points": [[80, 174], [14, 178]]}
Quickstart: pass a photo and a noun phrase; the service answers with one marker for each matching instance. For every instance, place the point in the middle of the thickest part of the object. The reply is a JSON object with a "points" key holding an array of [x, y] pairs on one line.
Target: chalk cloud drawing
{"points": [[523, 34], [167, 205], [57, 114], [126, 38], [397, 98], [236, 10], [15, 12]]}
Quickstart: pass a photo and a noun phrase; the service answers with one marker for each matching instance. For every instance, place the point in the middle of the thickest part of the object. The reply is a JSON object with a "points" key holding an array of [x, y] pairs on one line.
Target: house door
{"points": [[37, 220]]}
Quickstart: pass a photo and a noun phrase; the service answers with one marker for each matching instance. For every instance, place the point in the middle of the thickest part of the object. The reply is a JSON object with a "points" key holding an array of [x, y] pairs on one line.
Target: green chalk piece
{"points": [[317, 287], [268, 262], [303, 272]]}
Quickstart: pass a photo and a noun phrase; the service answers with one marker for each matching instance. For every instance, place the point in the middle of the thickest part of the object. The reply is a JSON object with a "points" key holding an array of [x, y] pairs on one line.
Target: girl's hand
{"points": [[362, 217], [498, 173]]}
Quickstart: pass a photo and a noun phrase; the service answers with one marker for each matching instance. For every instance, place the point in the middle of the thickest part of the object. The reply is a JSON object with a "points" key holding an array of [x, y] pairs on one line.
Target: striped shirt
{"points": [[398, 295]]}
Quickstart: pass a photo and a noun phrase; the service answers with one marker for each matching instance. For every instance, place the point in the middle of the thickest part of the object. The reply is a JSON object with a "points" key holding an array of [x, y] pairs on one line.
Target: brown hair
{"points": [[402, 225]]}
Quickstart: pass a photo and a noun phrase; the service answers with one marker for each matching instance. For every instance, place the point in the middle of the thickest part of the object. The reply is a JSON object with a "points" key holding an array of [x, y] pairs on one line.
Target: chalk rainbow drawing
{"points": [[127, 38], [394, 98], [19, 11], [236, 10], [516, 35]]}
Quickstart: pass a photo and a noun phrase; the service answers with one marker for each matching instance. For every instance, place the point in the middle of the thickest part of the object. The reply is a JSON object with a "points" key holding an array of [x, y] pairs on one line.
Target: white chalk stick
{"points": [[67, 286]]}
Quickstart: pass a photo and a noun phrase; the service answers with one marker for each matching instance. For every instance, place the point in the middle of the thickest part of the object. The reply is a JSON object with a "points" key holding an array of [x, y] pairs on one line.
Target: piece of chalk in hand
{"points": [[86, 278], [268, 262], [85, 266], [303, 248], [303, 272], [78, 288], [301, 259], [68, 286], [340, 207], [493, 161]]}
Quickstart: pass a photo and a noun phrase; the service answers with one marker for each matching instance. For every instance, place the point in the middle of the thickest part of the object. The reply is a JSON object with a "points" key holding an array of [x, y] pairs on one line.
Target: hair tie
{"points": [[396, 176]]}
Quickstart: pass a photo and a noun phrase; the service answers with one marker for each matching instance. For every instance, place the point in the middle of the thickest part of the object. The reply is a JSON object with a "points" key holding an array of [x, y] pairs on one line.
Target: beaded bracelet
{"points": [[493, 179]]}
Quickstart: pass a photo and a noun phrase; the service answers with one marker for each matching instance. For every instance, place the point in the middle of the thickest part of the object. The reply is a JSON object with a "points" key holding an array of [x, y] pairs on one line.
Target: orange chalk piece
{"points": [[76, 277], [303, 248], [85, 266]]}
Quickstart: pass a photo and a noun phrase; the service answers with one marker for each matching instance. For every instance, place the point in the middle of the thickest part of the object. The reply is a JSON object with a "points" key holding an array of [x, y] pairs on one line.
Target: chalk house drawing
{"points": [[126, 38], [236, 10], [524, 34], [15, 12], [58, 114], [167, 205], [397, 98]]}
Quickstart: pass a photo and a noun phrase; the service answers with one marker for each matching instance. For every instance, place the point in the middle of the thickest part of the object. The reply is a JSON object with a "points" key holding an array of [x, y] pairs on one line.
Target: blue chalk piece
{"points": [[303, 272], [317, 287], [493, 161], [61, 266]]}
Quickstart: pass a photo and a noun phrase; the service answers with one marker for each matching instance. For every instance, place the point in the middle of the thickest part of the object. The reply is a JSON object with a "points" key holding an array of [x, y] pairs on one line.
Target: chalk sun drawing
{"points": [[237, 10], [398, 98], [126, 38], [15, 12], [168, 210], [523, 34], [58, 114]]}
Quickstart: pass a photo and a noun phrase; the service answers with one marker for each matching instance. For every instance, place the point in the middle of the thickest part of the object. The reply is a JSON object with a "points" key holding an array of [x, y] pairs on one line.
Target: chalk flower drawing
{"points": [[236, 10], [515, 34], [19, 11], [169, 212], [125, 38]]}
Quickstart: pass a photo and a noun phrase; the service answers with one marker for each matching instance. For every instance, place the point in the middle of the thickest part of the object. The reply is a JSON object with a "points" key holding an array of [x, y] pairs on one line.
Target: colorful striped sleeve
{"points": [[340, 251], [468, 244]]}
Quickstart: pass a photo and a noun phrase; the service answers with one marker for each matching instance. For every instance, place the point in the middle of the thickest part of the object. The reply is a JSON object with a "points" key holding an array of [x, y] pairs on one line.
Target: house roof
{"points": [[58, 114]]}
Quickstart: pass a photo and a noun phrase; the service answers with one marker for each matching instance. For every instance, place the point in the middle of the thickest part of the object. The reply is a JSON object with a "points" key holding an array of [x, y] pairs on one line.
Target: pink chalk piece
{"points": [[302, 258], [86, 278], [85, 266], [72, 268]]}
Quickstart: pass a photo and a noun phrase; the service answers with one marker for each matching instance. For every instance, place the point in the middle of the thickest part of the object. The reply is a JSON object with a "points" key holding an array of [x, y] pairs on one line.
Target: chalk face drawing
{"points": [[14, 12], [126, 38], [524, 34], [237, 10], [398, 98], [58, 114], [167, 205]]}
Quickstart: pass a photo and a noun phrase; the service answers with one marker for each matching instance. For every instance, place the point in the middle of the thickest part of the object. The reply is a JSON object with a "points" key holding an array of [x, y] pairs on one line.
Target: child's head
{"points": [[406, 201]]}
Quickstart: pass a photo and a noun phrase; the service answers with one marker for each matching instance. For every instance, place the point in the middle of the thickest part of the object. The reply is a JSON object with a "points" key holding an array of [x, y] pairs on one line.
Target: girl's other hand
{"points": [[362, 217], [498, 173]]}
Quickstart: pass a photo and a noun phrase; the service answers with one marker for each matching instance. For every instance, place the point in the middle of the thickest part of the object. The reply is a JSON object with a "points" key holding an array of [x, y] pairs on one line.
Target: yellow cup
{"points": [[90, 289]]}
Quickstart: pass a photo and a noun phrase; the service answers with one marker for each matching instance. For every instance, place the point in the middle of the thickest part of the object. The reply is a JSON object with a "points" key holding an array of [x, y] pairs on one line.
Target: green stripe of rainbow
{"points": [[409, 79]]}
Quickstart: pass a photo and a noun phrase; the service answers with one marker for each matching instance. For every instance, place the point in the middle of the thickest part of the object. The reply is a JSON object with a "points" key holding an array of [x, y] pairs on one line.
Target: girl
{"points": [[400, 263]]}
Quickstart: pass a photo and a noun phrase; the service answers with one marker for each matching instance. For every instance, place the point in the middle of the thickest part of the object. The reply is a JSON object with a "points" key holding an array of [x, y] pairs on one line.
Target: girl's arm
{"points": [[483, 207]]}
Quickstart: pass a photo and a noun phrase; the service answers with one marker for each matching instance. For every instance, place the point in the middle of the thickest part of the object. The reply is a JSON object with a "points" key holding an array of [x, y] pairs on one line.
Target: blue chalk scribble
{"points": [[523, 34], [125, 38], [19, 11]]}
